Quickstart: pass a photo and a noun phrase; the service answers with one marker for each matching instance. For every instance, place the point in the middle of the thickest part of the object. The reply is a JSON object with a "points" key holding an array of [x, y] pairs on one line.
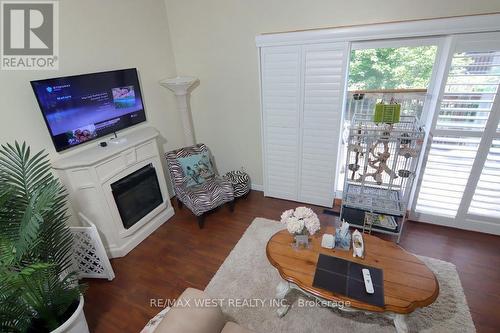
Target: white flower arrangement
{"points": [[300, 221]]}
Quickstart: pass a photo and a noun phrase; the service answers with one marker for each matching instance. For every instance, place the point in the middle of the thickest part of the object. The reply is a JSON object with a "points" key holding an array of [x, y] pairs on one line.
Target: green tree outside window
{"points": [[391, 68]]}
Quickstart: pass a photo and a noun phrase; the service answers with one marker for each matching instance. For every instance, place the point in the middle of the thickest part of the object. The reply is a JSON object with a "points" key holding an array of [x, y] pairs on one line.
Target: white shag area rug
{"points": [[246, 274]]}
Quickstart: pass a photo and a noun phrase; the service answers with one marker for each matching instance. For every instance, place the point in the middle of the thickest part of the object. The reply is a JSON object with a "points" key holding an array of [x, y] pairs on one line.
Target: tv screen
{"points": [[81, 108]]}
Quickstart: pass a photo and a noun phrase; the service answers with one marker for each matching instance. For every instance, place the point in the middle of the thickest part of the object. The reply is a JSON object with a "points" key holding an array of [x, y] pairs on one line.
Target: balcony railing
{"points": [[411, 100]]}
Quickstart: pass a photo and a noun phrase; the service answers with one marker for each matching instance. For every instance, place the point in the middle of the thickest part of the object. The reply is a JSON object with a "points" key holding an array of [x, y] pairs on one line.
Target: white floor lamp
{"points": [[182, 86]]}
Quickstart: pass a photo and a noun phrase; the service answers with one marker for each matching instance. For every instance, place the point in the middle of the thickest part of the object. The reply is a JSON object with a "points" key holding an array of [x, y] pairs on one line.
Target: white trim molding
{"points": [[405, 29], [257, 187], [469, 223]]}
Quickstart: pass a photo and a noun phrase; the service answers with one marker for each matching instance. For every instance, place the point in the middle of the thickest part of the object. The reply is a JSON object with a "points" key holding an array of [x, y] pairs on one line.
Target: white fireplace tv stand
{"points": [[91, 174]]}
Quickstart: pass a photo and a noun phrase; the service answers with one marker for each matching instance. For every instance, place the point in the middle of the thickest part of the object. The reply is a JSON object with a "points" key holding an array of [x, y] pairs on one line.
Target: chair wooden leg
{"points": [[179, 203], [231, 206], [201, 220]]}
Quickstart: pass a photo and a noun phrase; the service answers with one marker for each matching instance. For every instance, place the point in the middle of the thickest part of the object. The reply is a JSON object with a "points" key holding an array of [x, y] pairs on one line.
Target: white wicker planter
{"points": [[76, 323]]}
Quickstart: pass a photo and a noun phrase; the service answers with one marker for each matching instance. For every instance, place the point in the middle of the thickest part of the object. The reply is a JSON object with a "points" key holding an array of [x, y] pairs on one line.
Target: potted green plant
{"points": [[39, 288]]}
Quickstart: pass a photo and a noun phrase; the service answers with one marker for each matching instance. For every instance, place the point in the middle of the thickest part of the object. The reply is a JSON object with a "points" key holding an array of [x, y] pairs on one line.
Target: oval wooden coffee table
{"points": [[408, 282]]}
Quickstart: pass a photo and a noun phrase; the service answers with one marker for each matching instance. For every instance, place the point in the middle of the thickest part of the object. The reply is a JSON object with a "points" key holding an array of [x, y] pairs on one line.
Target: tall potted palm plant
{"points": [[39, 289]]}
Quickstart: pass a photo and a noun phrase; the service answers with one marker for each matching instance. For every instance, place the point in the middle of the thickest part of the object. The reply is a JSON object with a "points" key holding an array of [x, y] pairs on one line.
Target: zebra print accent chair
{"points": [[199, 198]]}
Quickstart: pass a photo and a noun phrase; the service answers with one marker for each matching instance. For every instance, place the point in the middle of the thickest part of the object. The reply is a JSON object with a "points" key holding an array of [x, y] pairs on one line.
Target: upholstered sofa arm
{"points": [[190, 316]]}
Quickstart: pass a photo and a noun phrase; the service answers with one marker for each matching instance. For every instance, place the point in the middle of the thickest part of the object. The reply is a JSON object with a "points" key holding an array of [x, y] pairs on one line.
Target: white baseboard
{"points": [[257, 187]]}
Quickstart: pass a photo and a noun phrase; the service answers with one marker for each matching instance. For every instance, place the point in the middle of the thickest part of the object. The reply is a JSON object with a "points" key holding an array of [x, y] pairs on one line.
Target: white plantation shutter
{"points": [[324, 72], [461, 181], [280, 79], [448, 167], [302, 91], [486, 199], [470, 91]]}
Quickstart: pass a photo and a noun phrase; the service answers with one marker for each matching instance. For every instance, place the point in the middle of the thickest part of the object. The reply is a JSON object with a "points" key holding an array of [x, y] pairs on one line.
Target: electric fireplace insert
{"points": [[136, 195]]}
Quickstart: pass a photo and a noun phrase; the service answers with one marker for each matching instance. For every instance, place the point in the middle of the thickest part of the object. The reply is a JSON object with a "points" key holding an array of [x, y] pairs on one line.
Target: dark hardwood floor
{"points": [[179, 255]]}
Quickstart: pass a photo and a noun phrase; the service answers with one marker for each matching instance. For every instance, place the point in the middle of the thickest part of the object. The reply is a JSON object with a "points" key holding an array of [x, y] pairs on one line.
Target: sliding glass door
{"points": [[460, 177], [398, 70]]}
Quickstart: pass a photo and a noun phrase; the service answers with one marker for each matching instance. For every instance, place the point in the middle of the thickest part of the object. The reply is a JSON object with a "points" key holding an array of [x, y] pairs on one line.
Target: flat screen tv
{"points": [[81, 108]]}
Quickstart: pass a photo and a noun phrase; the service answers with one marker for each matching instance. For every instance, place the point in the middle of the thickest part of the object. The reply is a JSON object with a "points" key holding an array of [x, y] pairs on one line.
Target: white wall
{"points": [[98, 35], [214, 40]]}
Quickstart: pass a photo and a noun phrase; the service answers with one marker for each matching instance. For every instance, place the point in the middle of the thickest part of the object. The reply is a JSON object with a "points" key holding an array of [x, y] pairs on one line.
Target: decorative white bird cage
{"points": [[381, 165]]}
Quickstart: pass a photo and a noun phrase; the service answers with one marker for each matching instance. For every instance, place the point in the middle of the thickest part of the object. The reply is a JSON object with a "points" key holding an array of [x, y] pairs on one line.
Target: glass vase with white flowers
{"points": [[301, 222]]}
